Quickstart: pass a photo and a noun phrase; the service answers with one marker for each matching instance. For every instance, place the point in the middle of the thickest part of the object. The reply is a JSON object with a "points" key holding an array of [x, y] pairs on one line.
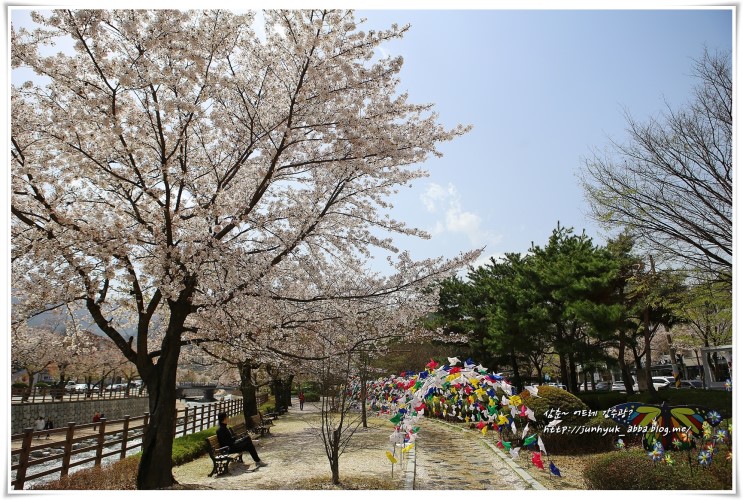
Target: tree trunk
{"points": [[572, 382], [563, 368], [648, 353], [517, 382], [363, 403], [248, 390], [363, 374], [156, 464], [288, 391], [628, 380], [282, 391], [334, 467]]}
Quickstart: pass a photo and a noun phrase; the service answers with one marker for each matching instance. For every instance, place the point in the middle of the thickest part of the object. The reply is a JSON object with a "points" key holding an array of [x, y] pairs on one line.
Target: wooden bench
{"points": [[266, 420], [239, 430], [277, 412], [221, 457], [257, 426]]}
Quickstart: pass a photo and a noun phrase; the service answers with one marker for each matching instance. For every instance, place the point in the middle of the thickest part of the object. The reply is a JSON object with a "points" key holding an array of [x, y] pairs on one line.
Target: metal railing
{"points": [[125, 435], [20, 395]]}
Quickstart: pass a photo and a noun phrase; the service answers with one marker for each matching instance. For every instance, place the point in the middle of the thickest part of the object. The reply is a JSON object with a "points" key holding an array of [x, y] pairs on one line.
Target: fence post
{"points": [[20, 477], [99, 448], [201, 420], [185, 421], [67, 449], [145, 425], [125, 436]]}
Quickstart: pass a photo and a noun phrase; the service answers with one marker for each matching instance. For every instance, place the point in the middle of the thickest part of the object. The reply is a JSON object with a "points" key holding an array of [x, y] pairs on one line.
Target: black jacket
{"points": [[225, 436]]}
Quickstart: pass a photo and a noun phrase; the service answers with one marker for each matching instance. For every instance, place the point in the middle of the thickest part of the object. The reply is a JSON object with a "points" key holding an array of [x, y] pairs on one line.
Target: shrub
{"points": [[578, 416], [120, 475], [602, 400], [19, 385], [311, 397], [191, 446], [269, 406], [552, 398], [633, 470]]}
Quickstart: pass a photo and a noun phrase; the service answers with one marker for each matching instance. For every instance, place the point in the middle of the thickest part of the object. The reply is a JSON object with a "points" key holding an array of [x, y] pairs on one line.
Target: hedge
{"points": [[602, 400], [633, 470], [578, 416], [721, 401]]}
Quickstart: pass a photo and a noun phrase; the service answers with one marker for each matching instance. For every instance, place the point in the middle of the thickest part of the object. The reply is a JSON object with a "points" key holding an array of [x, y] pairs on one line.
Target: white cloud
{"points": [[437, 199], [434, 196]]}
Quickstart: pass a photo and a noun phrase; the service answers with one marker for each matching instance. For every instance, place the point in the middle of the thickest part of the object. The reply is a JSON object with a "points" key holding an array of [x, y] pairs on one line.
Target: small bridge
{"points": [[192, 391]]}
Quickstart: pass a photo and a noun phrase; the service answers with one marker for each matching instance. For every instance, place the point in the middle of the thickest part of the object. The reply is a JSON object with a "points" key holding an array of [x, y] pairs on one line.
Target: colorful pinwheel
{"points": [[656, 455], [704, 457], [714, 417]]}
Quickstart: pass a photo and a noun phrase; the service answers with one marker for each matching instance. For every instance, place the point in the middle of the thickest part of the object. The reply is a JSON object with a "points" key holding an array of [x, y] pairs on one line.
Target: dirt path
{"points": [[445, 459], [296, 457]]}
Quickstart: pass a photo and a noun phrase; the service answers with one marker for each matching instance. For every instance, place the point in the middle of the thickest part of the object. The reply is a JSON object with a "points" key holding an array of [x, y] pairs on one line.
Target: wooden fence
{"points": [[123, 432]]}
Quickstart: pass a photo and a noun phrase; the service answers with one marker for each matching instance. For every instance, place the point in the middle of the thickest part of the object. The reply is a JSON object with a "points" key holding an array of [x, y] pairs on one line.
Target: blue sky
{"points": [[542, 89]]}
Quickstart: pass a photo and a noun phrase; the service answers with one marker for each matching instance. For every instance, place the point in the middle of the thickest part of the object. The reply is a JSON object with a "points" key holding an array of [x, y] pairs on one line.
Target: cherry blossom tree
{"points": [[33, 349], [176, 163]]}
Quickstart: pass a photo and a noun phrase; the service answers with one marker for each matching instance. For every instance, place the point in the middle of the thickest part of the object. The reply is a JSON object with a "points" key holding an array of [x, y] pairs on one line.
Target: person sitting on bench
{"points": [[227, 438]]}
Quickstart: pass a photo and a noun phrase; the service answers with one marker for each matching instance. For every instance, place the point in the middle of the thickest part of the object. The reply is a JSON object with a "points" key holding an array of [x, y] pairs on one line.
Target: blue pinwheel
{"points": [[705, 457]]}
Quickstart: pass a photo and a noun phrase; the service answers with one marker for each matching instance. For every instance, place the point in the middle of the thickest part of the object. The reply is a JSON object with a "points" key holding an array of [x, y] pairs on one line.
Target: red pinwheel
{"points": [[536, 459]]}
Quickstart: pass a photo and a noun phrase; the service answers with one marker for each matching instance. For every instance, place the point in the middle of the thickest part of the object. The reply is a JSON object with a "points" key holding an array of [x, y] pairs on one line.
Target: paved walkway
{"points": [[446, 458]]}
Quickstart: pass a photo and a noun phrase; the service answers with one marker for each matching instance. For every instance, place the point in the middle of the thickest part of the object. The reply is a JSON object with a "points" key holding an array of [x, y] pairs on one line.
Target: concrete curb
{"points": [[410, 470], [525, 476]]}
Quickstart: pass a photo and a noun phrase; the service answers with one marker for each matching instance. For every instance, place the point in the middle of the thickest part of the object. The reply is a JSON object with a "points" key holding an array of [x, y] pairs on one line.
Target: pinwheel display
{"points": [[456, 391]]}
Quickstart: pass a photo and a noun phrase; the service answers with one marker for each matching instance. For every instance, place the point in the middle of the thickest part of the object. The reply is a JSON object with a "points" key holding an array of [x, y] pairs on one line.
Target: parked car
{"points": [[603, 385], [690, 384], [662, 382], [619, 386], [559, 386], [84, 387], [115, 387]]}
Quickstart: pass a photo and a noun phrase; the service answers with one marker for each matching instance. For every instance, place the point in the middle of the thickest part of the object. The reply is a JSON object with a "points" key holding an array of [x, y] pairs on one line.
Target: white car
{"points": [[559, 386], [663, 382], [84, 387], [619, 386]]}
